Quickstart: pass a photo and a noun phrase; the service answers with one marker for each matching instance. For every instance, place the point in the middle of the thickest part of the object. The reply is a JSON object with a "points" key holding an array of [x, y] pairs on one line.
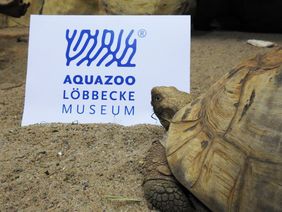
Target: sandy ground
{"points": [[58, 167]]}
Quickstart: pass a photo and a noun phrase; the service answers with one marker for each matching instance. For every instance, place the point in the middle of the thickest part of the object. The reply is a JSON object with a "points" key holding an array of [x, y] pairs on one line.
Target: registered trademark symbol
{"points": [[142, 33]]}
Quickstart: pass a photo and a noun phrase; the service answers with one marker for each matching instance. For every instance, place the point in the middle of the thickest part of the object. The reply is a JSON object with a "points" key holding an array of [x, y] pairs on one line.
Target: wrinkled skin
{"points": [[166, 101], [14, 8], [161, 189]]}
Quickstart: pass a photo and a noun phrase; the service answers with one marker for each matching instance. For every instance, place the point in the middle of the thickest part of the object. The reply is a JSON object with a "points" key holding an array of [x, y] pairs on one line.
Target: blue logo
{"points": [[104, 47]]}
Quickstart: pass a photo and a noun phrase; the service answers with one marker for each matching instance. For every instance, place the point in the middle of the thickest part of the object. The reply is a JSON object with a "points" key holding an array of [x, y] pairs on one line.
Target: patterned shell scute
{"points": [[226, 146]]}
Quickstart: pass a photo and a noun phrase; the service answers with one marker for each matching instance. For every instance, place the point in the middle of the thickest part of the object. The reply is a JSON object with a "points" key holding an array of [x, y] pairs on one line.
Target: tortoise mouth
{"points": [[165, 116], [164, 123]]}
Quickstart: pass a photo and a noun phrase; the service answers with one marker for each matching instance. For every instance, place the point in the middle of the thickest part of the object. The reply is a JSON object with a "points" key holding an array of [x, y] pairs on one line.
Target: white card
{"points": [[101, 69]]}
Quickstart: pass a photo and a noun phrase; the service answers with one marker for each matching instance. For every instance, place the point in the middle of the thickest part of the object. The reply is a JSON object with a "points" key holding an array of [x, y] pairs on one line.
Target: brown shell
{"points": [[226, 147]]}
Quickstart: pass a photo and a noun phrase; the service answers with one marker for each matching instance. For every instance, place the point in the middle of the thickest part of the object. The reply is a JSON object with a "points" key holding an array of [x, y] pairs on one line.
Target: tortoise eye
{"points": [[157, 98]]}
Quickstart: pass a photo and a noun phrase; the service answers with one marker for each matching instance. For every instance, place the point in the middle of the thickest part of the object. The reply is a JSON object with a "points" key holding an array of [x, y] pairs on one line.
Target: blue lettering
{"points": [[85, 95], [75, 93], [98, 80], [103, 109], [67, 109], [92, 109], [108, 80], [119, 80], [87, 81], [129, 112], [95, 95], [130, 80], [82, 111], [122, 95], [77, 79], [115, 113], [65, 97], [131, 96], [111, 95], [104, 95], [67, 79]]}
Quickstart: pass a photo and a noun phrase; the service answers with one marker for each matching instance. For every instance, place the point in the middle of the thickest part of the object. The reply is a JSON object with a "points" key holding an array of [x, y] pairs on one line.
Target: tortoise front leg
{"points": [[161, 189]]}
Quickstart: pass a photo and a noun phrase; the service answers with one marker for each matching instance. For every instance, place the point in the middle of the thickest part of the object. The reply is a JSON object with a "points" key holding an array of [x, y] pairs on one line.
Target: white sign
{"points": [[100, 69]]}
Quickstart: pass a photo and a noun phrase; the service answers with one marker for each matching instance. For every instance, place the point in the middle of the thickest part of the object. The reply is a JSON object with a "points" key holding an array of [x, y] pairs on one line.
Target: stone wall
{"points": [[52, 7], [91, 7]]}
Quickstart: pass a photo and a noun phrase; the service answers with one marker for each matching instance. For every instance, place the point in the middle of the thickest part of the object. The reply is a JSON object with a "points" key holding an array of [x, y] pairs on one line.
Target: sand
{"points": [[69, 167]]}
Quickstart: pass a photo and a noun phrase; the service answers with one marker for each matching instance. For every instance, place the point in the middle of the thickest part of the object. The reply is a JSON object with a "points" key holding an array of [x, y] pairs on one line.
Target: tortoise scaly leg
{"points": [[161, 189]]}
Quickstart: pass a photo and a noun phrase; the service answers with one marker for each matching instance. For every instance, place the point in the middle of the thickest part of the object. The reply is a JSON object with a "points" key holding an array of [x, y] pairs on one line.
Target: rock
{"points": [[140, 7], [72, 7], [260, 43]]}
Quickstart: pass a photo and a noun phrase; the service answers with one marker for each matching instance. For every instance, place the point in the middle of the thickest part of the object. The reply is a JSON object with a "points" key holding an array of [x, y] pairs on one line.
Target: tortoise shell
{"points": [[226, 146]]}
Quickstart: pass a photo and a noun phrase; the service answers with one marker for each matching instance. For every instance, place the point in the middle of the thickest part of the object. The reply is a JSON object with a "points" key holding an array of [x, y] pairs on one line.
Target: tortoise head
{"points": [[166, 101]]}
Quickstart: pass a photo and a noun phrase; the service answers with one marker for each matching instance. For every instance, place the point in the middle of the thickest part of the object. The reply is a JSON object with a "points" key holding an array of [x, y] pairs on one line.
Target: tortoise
{"points": [[223, 150]]}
